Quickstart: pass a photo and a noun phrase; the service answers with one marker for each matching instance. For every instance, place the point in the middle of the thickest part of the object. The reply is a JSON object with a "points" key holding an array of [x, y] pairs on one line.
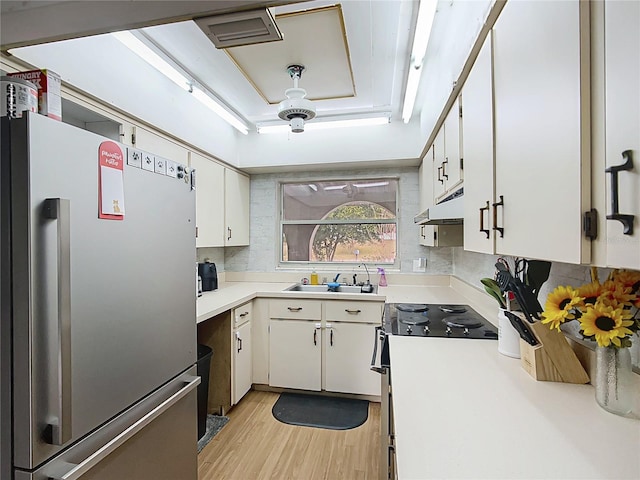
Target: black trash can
{"points": [[203, 366]]}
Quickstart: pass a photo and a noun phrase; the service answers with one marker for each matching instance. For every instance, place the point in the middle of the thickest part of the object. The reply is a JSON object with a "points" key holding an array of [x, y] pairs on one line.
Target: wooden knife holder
{"points": [[553, 359]]}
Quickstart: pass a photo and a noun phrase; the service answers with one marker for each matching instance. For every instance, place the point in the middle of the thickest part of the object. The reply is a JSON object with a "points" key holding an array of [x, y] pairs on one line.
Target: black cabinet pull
{"points": [[440, 179], [445, 175], [228, 233], [495, 216], [482, 229], [294, 309], [626, 220], [315, 336], [331, 337]]}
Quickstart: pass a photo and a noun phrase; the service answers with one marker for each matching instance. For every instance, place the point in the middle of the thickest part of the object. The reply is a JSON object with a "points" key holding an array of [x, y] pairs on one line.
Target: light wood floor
{"points": [[254, 445]]}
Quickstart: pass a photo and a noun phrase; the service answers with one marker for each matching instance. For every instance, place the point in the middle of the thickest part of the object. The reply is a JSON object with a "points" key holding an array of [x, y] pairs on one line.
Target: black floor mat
{"points": [[321, 412]]}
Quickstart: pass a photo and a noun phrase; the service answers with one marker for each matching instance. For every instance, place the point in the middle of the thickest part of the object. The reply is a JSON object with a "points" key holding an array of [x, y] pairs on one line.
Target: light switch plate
{"points": [[147, 162], [134, 157], [420, 265], [160, 165], [172, 168]]}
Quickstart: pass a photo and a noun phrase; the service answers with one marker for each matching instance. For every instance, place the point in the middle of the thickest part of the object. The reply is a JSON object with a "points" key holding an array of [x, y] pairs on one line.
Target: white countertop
{"points": [[232, 294], [462, 410]]}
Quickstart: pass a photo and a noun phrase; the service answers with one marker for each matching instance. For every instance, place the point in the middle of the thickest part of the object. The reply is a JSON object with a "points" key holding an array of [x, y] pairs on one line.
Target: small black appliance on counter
{"points": [[209, 275]]}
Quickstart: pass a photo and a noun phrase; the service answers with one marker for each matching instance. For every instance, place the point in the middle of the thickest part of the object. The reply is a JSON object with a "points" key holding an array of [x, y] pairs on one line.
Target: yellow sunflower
{"points": [[631, 280], [559, 306], [614, 291], [590, 292], [607, 324]]}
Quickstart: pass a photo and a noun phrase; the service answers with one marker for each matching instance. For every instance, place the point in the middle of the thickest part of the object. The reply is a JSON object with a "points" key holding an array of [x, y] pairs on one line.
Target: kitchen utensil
{"points": [[537, 273], [523, 330], [528, 302], [492, 288]]}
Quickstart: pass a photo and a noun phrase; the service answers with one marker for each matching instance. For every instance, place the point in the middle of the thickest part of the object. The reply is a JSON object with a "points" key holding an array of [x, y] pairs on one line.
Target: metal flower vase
{"points": [[613, 379]]}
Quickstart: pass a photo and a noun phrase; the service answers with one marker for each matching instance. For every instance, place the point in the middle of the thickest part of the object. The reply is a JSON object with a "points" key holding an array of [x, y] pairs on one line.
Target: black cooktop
{"points": [[434, 320]]}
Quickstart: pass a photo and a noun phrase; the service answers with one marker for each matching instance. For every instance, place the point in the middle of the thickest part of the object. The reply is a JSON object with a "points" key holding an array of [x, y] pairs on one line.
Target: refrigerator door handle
{"points": [[87, 464], [59, 209]]}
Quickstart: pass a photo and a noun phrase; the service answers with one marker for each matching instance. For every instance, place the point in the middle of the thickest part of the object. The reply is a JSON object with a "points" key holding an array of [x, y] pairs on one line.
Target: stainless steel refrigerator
{"points": [[98, 329]]}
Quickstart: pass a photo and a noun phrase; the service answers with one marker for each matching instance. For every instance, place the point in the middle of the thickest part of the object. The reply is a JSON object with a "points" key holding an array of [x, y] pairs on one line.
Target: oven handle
{"points": [[379, 336]]}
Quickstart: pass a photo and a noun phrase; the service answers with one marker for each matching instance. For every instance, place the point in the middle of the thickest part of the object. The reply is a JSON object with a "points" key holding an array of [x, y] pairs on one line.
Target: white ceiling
{"points": [[378, 41], [377, 44]]}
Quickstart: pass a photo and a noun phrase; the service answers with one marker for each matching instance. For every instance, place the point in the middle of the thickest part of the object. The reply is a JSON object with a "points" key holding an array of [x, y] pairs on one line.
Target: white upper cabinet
{"points": [[236, 201], [447, 161], [622, 130], [438, 180], [209, 202], [477, 126], [452, 165], [222, 204], [542, 163], [153, 143]]}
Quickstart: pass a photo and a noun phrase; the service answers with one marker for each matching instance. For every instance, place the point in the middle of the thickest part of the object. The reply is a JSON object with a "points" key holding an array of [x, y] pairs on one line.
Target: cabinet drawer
{"points": [[353, 311], [242, 314], [296, 309]]}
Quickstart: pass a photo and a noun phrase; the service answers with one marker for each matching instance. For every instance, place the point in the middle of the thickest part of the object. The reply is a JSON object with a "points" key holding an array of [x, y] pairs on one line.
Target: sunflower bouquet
{"points": [[608, 312]]}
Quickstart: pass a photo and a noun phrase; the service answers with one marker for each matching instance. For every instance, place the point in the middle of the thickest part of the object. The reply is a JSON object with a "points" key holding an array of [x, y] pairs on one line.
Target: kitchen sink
{"points": [[298, 287]]}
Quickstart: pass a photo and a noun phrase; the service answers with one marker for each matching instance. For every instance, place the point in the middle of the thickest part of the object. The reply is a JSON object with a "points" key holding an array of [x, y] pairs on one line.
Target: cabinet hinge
{"points": [[590, 224]]}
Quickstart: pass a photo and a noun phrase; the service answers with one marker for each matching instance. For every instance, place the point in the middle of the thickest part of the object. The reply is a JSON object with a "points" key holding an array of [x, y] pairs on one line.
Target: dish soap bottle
{"points": [[383, 278], [314, 278]]}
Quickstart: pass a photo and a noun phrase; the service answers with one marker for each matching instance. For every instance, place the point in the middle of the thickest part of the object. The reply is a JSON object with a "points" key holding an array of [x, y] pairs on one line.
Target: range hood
{"points": [[448, 212]]}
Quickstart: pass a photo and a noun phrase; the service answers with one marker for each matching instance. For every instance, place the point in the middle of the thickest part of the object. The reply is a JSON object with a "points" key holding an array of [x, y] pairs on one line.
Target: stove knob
{"points": [[466, 331], [409, 330], [448, 331], [426, 330]]}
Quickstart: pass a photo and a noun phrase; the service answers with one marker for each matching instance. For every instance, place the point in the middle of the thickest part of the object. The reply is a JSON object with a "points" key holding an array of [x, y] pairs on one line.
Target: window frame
{"points": [[320, 266]]}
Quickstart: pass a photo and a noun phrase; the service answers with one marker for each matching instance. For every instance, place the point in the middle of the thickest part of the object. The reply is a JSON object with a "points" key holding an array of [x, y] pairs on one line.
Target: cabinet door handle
{"points": [[331, 337], [482, 229], [495, 216], [228, 233], [440, 179], [244, 314], [444, 174], [352, 312], [294, 309], [239, 342], [315, 336], [626, 220]]}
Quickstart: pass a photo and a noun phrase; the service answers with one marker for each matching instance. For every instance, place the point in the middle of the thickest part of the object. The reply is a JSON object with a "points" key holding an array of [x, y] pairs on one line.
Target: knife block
{"points": [[553, 359]]}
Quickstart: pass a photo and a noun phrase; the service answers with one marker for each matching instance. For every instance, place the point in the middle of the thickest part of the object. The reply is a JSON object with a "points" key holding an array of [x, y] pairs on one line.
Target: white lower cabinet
{"points": [[295, 354], [242, 358], [348, 351], [242, 348], [323, 345]]}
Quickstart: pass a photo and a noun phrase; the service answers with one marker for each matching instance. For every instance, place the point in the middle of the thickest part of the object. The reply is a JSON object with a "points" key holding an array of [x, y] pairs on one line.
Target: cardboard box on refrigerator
{"points": [[48, 84]]}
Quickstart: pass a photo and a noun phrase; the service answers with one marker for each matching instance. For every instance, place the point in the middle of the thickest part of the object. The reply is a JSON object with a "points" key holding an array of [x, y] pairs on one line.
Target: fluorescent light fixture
{"points": [[426, 13], [371, 184], [223, 113], [334, 187], [137, 46], [134, 44], [328, 122]]}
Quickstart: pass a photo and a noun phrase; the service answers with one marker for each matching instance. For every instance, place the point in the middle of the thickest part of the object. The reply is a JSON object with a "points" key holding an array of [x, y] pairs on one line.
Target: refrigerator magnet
{"points": [[110, 181]]}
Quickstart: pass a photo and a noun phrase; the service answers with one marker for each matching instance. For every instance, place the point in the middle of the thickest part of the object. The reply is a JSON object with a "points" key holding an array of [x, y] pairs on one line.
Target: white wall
{"points": [[138, 89], [352, 145], [262, 254]]}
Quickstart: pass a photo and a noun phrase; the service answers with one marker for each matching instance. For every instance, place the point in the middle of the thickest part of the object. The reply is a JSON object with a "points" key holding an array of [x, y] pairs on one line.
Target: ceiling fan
{"points": [[296, 109]]}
